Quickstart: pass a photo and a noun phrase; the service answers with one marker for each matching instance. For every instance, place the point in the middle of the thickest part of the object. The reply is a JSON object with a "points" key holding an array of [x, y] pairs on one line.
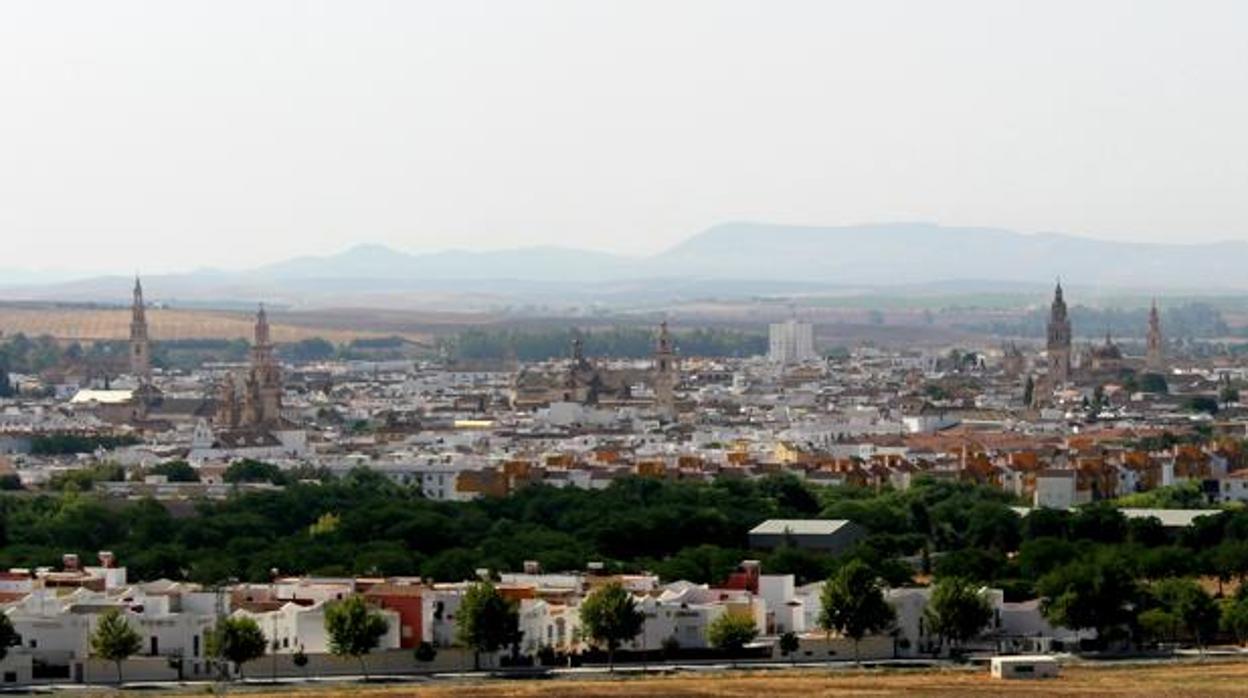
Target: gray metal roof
{"points": [[799, 527]]}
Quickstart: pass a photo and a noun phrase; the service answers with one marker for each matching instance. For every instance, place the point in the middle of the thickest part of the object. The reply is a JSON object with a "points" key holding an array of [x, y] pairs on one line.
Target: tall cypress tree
{"points": [[6, 386]]}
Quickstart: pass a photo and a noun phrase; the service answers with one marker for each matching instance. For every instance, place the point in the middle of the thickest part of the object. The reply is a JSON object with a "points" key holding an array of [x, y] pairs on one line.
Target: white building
{"points": [[295, 627], [1055, 489], [785, 611], [684, 612], [547, 624], [1233, 487], [173, 620], [791, 342]]}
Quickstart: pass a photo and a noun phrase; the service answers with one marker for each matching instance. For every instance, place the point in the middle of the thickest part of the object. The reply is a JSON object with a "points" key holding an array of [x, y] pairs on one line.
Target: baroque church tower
{"points": [[257, 403], [262, 400], [140, 345], [228, 416], [1155, 360], [1059, 340]]}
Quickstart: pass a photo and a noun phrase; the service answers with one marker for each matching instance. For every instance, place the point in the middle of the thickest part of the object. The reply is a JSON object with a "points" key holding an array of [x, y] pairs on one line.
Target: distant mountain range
{"points": [[877, 255], [520, 264], [920, 253], [748, 258]]}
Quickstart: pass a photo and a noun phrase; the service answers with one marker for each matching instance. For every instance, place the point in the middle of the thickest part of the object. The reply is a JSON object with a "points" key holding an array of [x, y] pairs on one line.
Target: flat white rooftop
{"points": [[799, 527]]}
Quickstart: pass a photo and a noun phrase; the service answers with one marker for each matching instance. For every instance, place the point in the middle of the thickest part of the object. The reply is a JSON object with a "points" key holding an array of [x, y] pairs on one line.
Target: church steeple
{"points": [[262, 390], [1059, 338], [1155, 359], [665, 375], [665, 341], [138, 312], [140, 345], [253, 401], [262, 328], [578, 350]]}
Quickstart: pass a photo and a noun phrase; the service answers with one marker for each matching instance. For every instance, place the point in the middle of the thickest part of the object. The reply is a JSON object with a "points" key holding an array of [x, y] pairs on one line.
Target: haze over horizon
{"points": [[169, 137]]}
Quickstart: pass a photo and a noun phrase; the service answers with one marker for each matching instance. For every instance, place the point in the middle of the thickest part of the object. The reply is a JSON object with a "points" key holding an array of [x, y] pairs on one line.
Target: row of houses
{"points": [[55, 612], [1051, 476]]}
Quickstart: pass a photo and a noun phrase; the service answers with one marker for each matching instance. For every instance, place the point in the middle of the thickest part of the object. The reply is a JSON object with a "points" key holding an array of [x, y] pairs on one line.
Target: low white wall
{"points": [[98, 671], [16, 667], [381, 662], [823, 649]]}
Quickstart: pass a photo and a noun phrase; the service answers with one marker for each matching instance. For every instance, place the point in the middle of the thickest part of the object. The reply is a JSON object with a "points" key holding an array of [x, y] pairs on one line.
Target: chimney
{"points": [[753, 570], [107, 559], [69, 561], [532, 567], [595, 568]]}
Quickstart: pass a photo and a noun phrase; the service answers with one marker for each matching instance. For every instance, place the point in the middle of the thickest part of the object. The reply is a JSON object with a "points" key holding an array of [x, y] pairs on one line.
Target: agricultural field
{"points": [[85, 324]]}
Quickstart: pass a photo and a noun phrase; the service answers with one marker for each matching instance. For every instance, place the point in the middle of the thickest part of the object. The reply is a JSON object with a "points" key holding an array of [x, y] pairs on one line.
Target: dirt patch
{"points": [[1170, 680]]}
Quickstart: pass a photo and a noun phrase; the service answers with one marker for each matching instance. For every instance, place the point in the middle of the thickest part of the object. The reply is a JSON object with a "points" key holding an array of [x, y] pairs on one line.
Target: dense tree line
{"points": [[22, 354], [306, 350], [102, 359], [618, 342], [1193, 319], [1093, 567], [175, 471], [187, 354], [633, 524], [106, 359], [68, 444], [85, 479]]}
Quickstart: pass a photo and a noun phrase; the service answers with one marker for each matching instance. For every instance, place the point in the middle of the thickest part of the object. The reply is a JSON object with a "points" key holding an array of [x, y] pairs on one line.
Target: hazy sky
{"points": [[171, 135]]}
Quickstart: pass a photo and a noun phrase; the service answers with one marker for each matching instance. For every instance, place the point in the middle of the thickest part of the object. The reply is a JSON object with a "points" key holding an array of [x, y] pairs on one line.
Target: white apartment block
{"points": [[791, 342]]}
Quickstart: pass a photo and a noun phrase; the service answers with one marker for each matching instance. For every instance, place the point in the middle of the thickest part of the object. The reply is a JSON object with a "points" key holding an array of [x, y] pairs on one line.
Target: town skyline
{"points": [[646, 347], [732, 492]]}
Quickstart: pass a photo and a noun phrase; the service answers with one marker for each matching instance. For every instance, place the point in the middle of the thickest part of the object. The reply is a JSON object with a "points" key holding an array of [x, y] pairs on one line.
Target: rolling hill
{"points": [[733, 260]]}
